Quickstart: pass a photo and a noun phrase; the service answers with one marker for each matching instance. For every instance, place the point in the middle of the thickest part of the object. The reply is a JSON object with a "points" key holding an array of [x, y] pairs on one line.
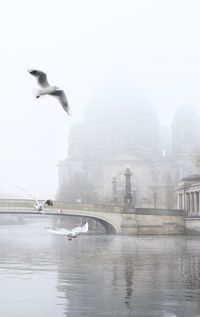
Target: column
{"points": [[187, 204], [199, 205], [191, 205], [192, 195], [180, 201], [195, 204], [128, 199]]}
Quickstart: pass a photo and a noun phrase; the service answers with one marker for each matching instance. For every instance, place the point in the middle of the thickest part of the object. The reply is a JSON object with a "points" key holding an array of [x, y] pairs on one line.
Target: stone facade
{"points": [[188, 200], [188, 195], [152, 222], [107, 142]]}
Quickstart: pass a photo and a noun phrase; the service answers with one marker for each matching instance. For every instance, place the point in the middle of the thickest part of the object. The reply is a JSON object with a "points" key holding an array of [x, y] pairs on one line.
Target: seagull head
{"points": [[32, 71]]}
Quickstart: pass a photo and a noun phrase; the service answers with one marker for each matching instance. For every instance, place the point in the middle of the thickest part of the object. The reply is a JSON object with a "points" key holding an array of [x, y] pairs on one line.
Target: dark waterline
{"points": [[45, 275]]}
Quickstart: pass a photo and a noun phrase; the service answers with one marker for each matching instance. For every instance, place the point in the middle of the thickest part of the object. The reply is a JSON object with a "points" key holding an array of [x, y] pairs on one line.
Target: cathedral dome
{"points": [[118, 120]]}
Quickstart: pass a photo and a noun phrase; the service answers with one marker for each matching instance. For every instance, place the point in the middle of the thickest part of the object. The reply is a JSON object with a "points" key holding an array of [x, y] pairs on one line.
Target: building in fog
{"points": [[185, 130], [188, 195], [117, 133]]}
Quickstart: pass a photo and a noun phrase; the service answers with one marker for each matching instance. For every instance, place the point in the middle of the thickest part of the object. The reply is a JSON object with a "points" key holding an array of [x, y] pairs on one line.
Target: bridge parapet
{"points": [[83, 206], [29, 203]]}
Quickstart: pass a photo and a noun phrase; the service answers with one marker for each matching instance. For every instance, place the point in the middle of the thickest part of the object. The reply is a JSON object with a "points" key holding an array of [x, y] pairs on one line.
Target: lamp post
{"points": [[128, 198]]}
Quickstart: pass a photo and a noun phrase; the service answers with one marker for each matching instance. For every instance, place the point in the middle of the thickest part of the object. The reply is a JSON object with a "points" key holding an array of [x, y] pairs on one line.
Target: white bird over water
{"points": [[73, 233], [38, 206], [48, 89]]}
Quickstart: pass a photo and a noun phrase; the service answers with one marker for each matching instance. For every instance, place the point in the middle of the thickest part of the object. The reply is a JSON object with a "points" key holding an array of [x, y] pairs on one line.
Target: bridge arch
{"points": [[109, 227], [104, 214]]}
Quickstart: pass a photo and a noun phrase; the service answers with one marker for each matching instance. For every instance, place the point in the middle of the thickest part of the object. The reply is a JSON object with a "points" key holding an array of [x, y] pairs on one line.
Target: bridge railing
{"points": [[29, 203], [85, 206]]}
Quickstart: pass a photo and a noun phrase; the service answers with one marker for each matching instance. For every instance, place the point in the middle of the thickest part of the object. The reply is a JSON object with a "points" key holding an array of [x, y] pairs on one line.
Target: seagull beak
{"points": [[30, 71]]}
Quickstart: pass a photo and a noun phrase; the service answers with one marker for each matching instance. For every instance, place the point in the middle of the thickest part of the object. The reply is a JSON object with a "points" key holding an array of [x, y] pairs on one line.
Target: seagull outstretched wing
{"points": [[49, 202], [59, 93], [31, 196], [60, 231], [72, 233], [82, 229], [40, 76]]}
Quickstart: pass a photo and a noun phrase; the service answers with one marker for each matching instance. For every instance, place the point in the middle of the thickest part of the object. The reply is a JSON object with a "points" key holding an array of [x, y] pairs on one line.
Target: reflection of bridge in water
{"points": [[113, 218]]}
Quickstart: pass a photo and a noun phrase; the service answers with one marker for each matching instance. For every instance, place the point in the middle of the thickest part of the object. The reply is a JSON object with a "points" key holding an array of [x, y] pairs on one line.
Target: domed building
{"points": [[113, 125], [120, 129]]}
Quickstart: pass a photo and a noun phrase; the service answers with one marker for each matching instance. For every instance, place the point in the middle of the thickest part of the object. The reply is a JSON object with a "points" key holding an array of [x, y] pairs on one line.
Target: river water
{"points": [[44, 275]]}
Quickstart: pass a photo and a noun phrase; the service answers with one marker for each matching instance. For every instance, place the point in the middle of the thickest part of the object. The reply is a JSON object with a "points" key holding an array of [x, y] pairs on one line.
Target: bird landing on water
{"points": [[70, 234]]}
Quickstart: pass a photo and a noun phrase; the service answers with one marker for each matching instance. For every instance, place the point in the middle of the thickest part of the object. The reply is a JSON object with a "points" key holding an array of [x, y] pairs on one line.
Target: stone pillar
{"points": [[128, 199], [114, 189], [190, 204], [182, 201], [187, 204], [196, 203], [179, 201], [199, 205]]}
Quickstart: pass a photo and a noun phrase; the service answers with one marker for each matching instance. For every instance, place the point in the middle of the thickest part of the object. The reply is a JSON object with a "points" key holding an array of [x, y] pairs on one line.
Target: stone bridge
{"points": [[113, 218]]}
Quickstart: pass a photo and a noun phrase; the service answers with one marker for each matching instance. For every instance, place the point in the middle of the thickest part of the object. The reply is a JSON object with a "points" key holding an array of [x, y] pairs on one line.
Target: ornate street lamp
{"points": [[128, 198]]}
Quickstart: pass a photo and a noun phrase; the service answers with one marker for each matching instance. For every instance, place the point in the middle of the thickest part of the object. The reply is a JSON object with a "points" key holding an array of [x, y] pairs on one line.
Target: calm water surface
{"points": [[43, 275]]}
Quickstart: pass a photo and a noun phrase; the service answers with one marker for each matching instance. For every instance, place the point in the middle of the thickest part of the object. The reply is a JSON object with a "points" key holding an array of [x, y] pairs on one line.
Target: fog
{"points": [[84, 46]]}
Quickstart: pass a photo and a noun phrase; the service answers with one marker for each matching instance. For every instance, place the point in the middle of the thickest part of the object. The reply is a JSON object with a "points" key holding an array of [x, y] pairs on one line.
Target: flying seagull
{"points": [[48, 89], [73, 233], [38, 206]]}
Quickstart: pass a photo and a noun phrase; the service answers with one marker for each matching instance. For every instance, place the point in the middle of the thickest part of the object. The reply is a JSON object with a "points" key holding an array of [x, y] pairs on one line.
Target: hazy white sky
{"points": [[81, 44]]}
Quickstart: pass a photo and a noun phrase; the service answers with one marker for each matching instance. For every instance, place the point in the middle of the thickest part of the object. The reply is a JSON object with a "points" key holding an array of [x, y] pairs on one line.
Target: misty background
{"points": [[84, 46]]}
